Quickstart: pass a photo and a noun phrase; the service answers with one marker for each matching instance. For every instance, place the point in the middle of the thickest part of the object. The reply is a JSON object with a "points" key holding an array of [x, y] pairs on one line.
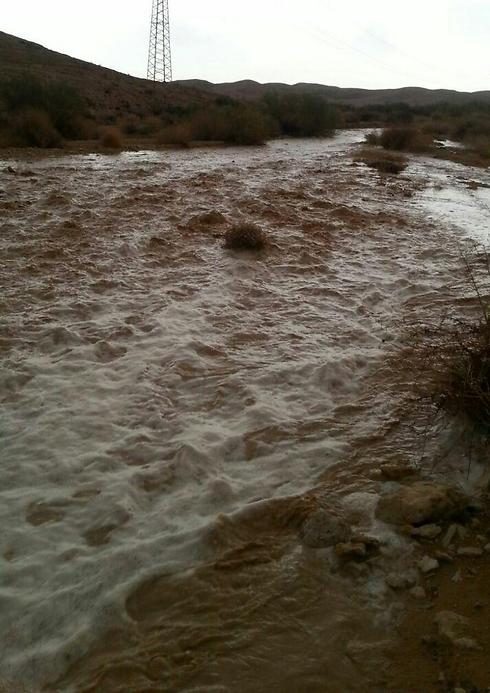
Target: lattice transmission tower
{"points": [[159, 54]]}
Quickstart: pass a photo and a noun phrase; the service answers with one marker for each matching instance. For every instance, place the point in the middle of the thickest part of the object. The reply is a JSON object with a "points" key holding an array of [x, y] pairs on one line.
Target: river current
{"points": [[167, 406]]}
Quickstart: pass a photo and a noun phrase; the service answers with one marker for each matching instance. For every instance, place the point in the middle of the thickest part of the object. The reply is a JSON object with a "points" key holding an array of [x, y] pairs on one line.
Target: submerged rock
{"points": [[428, 564], [401, 581], [455, 629], [470, 551], [352, 549], [426, 531], [422, 502], [322, 529]]}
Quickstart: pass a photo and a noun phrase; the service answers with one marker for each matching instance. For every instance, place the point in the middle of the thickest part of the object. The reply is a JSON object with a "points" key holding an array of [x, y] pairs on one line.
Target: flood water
{"points": [[170, 410]]}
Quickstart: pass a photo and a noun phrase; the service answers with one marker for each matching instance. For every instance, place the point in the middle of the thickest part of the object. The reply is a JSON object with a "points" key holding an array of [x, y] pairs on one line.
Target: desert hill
{"points": [[413, 96], [105, 91], [108, 91]]}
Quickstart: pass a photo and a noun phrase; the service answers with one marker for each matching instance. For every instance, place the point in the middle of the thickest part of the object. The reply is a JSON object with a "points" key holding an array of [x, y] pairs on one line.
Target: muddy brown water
{"points": [[171, 411]]}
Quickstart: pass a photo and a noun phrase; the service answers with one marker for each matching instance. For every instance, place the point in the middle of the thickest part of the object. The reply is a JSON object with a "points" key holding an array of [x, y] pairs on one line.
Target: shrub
{"points": [[451, 357], [176, 134], [61, 102], [111, 138], [301, 115], [33, 128], [398, 138], [384, 162], [245, 237], [372, 138]]}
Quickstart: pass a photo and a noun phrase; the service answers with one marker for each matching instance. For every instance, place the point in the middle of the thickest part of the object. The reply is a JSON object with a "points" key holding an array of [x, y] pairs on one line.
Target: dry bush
{"points": [[34, 128], [451, 357], [111, 138], [398, 138], [245, 237], [181, 134], [372, 138], [383, 162]]}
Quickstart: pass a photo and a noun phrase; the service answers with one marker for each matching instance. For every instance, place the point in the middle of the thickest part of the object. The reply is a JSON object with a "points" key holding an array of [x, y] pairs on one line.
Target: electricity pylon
{"points": [[159, 54]]}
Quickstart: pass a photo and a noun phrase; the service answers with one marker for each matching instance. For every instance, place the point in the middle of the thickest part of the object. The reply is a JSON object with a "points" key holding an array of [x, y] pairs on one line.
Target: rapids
{"points": [[166, 403]]}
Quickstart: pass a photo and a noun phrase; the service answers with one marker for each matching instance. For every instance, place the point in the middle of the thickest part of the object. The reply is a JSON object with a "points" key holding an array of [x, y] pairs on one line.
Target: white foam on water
{"points": [[151, 380]]}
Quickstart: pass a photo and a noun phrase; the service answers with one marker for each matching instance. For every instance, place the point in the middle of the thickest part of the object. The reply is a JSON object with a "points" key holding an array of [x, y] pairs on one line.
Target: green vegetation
{"points": [[301, 115], [41, 114], [419, 129]]}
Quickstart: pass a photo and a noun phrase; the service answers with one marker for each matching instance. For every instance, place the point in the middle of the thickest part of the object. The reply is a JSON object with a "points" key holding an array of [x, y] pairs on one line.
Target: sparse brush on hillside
{"points": [[33, 128], [61, 104]]}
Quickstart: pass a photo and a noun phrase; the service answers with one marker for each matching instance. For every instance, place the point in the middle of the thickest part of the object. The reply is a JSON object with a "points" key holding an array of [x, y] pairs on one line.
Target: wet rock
{"points": [[400, 581], [449, 536], [371, 543], [322, 529], [455, 629], [418, 592], [443, 557], [421, 503], [370, 657], [428, 565], [395, 471], [354, 550], [470, 551], [487, 548], [426, 531]]}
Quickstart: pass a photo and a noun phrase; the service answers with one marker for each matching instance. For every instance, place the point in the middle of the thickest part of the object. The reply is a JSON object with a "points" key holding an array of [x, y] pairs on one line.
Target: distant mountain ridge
{"points": [[414, 96]]}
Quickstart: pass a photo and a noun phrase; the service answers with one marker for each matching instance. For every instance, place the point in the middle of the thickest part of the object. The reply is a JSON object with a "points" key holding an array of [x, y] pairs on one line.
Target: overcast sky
{"points": [[348, 43]]}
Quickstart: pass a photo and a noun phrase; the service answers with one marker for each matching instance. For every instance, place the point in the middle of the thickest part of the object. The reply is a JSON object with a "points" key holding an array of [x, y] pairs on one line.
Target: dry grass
{"points": [[245, 237], [383, 162], [452, 357]]}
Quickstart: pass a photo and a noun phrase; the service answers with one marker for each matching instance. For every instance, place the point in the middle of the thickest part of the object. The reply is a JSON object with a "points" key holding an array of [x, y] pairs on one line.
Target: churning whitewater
{"points": [[163, 400]]}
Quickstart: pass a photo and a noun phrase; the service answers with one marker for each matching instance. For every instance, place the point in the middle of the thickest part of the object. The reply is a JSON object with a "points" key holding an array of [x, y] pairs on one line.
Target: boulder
{"points": [[322, 529], [421, 503]]}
